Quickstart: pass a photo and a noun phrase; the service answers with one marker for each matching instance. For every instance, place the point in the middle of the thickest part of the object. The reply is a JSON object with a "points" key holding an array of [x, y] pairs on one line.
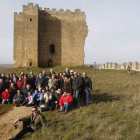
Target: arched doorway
{"points": [[52, 48], [30, 64]]}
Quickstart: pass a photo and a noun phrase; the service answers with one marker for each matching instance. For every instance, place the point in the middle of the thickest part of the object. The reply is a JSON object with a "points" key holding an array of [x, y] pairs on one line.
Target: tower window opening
{"points": [[52, 48], [30, 19]]}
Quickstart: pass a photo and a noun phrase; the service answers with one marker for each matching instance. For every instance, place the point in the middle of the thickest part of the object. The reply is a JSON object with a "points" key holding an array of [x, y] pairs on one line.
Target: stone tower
{"points": [[43, 35]]}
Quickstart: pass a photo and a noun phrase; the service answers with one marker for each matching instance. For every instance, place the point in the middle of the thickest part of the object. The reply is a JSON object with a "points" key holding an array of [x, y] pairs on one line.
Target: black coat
{"points": [[77, 83], [25, 91], [87, 83]]}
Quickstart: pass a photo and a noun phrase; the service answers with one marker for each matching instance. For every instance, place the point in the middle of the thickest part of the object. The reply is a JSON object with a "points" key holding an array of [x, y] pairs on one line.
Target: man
{"points": [[19, 99], [40, 80], [87, 85], [15, 78], [57, 96], [12, 90], [31, 123], [77, 86], [67, 72], [44, 73], [26, 90], [65, 102]]}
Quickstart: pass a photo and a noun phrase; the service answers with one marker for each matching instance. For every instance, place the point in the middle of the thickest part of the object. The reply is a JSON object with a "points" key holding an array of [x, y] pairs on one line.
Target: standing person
{"points": [[15, 78], [128, 70], [31, 123], [67, 84], [87, 85], [5, 96], [65, 102], [32, 81], [51, 72], [25, 82], [19, 99], [12, 90], [19, 83], [57, 96], [2, 87], [77, 87], [40, 80], [44, 74], [53, 82], [67, 72], [7, 81]]}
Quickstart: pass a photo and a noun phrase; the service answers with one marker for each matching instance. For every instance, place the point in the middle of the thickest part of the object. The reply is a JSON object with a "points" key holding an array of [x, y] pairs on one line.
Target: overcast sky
{"points": [[114, 28]]}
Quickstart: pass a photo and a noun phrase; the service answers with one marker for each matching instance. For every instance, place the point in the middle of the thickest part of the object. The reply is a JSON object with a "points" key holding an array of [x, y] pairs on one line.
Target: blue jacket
{"points": [[37, 96]]}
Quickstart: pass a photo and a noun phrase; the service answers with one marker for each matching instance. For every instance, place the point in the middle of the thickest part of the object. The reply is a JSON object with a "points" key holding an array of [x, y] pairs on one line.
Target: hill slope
{"points": [[114, 112]]}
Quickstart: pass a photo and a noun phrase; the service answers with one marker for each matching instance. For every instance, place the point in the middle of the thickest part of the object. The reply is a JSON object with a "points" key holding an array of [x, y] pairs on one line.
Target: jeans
{"points": [[76, 95], [87, 96], [66, 107], [6, 101]]}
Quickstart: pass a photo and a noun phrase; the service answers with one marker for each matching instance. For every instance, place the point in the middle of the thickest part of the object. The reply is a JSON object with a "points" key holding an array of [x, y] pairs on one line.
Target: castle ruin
{"points": [[47, 35]]}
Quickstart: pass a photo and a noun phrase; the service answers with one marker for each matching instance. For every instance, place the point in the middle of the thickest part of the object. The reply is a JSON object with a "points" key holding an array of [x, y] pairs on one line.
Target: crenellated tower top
{"points": [[47, 13]]}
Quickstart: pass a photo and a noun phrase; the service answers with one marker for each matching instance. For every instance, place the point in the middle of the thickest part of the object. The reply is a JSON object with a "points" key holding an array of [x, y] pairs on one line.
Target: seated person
{"points": [[19, 99], [29, 99], [42, 97], [5, 96], [36, 97], [65, 102], [47, 97], [31, 123]]}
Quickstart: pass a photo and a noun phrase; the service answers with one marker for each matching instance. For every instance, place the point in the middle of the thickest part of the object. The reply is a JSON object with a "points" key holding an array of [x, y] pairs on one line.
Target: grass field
{"points": [[114, 112], [5, 108]]}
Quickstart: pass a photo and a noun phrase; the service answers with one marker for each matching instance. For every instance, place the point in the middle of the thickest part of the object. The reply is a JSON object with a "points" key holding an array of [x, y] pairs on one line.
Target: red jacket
{"points": [[68, 99], [19, 84], [5, 95]]}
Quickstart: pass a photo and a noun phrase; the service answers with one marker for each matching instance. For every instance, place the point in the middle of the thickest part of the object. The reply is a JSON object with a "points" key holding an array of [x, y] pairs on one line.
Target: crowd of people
{"points": [[48, 91]]}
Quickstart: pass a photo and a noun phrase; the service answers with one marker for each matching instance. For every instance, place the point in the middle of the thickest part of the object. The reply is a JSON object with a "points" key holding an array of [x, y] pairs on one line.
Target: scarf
{"points": [[25, 82]]}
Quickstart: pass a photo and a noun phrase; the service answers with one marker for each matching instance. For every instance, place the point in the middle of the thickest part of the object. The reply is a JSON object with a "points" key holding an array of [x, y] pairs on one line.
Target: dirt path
{"points": [[7, 129]]}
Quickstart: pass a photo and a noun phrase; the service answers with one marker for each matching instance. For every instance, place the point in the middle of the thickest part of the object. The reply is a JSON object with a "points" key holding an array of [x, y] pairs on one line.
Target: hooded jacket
{"points": [[66, 99], [5, 95]]}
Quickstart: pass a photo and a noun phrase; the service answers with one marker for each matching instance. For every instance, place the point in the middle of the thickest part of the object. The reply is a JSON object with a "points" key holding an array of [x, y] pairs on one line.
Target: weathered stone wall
{"points": [[135, 66], [109, 65], [18, 19], [114, 65], [106, 65], [30, 35], [49, 34], [35, 30]]}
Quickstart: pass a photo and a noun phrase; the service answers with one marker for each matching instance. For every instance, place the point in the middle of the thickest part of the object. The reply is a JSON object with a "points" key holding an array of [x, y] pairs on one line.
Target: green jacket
{"points": [[36, 123]]}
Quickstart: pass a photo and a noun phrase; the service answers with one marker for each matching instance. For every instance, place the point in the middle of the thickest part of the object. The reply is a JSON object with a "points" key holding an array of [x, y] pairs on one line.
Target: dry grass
{"points": [[5, 108], [113, 114]]}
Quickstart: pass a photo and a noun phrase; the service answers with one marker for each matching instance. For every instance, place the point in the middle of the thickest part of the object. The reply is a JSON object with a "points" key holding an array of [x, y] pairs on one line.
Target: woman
{"points": [[5, 96], [46, 97], [53, 82], [29, 99], [19, 82], [67, 84]]}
